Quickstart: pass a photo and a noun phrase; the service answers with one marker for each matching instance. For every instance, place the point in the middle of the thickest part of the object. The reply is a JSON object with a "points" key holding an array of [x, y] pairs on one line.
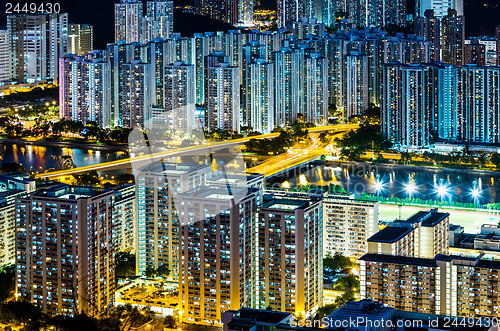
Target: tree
{"points": [[162, 271], [351, 154], [405, 158], [323, 138], [482, 159], [346, 297], [169, 322], [495, 159], [338, 262], [89, 179], [11, 167], [125, 179], [67, 162], [149, 272], [125, 264], [348, 282], [325, 311], [7, 281], [366, 136]]}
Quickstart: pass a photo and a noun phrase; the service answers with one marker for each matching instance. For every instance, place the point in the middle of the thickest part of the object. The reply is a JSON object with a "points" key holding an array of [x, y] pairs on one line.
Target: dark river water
{"points": [[41, 158], [439, 184]]}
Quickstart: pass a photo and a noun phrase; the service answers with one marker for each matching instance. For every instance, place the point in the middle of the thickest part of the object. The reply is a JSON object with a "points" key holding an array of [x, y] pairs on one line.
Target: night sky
{"points": [[481, 17]]}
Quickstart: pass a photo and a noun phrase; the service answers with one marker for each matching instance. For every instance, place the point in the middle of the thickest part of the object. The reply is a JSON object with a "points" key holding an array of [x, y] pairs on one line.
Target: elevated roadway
{"points": [[149, 158]]}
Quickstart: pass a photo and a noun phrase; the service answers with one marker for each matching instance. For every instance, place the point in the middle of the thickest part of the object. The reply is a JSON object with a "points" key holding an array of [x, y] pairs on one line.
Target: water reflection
{"points": [[444, 185], [41, 158]]}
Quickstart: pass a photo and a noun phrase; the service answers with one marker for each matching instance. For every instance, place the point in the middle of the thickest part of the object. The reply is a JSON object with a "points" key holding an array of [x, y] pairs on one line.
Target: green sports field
{"points": [[470, 220]]}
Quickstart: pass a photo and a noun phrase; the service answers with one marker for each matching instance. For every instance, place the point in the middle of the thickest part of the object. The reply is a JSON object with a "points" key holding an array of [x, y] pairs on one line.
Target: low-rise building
{"points": [[425, 234], [444, 285]]}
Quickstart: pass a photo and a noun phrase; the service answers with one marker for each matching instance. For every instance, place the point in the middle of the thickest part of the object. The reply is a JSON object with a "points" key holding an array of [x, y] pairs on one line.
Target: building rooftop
{"points": [[282, 203], [398, 259], [261, 316], [471, 261], [223, 178], [428, 218], [365, 308], [390, 234], [215, 192], [70, 192]]}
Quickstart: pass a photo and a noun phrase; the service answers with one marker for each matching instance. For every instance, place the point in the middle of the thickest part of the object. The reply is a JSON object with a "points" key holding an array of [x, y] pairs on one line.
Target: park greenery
{"points": [[62, 130], [7, 281], [26, 316], [338, 262], [36, 95], [348, 282], [8, 167], [161, 272], [356, 142], [124, 264]]}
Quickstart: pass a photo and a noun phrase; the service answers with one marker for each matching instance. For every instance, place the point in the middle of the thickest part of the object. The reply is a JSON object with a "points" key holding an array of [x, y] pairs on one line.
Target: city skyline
{"points": [[297, 168]]}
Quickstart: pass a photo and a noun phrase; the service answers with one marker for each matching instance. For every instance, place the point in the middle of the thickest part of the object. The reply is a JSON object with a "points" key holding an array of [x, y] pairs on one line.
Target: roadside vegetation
{"points": [[287, 138]]}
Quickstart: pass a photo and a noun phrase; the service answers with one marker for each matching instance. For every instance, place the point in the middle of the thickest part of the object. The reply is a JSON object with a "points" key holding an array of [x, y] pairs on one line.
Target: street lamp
{"points": [[442, 190], [410, 188]]}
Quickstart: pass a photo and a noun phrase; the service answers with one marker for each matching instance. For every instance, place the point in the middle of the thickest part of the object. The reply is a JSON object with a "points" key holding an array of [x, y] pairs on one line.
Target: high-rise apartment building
{"points": [[355, 84], [157, 222], [477, 103], [490, 48], [376, 13], [36, 41], [223, 97], [406, 105], [179, 98], [123, 219], [457, 103], [262, 97], [128, 21], [444, 115], [80, 39], [475, 53], [287, 255], [215, 242], [308, 26], [440, 7], [316, 89], [228, 11], [497, 35], [289, 11], [348, 223], [4, 56], [118, 54], [8, 225], [429, 27], [135, 94], [453, 38], [283, 94], [159, 20], [64, 249], [85, 90]]}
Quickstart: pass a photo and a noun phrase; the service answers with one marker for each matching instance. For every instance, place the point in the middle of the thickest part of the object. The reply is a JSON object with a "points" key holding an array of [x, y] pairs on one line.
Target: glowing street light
{"points": [[410, 188], [378, 186], [475, 192], [442, 190]]}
